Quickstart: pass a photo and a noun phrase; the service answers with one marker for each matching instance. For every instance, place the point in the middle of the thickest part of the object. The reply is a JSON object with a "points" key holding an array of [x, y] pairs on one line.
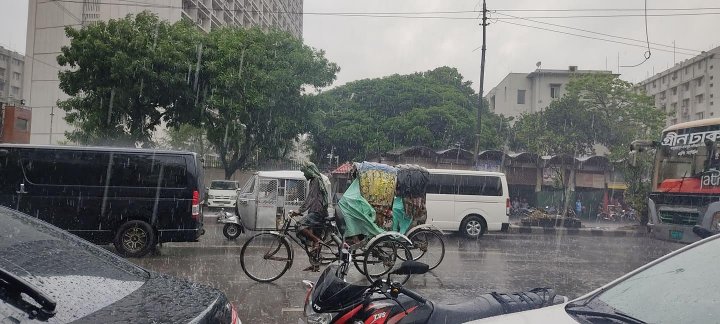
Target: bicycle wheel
{"points": [[328, 251], [266, 257], [428, 247], [381, 257]]}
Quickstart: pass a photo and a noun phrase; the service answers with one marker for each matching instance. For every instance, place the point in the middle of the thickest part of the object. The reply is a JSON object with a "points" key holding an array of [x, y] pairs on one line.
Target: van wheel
{"points": [[472, 226], [134, 239]]}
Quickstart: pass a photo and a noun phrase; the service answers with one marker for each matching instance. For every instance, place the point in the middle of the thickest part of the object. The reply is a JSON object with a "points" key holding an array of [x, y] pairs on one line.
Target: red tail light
{"points": [[196, 205], [507, 207], [234, 317]]}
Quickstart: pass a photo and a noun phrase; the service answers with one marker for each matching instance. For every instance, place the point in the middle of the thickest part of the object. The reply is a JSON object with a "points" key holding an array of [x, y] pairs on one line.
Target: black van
{"points": [[133, 198]]}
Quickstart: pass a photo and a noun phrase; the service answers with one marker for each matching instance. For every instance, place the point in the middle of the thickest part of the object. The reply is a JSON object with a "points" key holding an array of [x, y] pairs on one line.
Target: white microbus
{"points": [[472, 202]]}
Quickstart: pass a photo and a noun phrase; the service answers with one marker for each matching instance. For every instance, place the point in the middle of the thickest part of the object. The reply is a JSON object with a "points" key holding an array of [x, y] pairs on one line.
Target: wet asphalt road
{"points": [[573, 265]]}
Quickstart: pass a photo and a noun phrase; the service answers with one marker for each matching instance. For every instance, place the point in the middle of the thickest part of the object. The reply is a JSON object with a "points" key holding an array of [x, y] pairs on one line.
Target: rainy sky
{"points": [[372, 47]]}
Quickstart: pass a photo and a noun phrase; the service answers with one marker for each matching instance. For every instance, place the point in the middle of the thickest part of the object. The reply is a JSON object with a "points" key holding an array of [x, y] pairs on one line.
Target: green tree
{"points": [[567, 127], [622, 115], [253, 86], [436, 108], [125, 77], [186, 137]]}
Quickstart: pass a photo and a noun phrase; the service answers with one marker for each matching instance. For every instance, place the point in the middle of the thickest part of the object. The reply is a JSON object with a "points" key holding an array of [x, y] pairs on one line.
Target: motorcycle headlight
{"points": [[715, 222], [316, 318]]}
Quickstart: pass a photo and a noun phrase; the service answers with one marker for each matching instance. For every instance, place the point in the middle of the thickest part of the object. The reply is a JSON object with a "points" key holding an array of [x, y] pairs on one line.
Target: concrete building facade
{"points": [[687, 91], [11, 76], [48, 18], [520, 93]]}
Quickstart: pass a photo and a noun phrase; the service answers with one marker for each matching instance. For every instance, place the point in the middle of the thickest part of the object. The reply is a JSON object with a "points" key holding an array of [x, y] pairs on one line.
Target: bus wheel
{"points": [[472, 226], [134, 239]]}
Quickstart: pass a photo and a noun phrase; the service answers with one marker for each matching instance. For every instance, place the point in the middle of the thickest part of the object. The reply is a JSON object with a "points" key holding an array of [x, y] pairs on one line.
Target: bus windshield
{"points": [[686, 168]]}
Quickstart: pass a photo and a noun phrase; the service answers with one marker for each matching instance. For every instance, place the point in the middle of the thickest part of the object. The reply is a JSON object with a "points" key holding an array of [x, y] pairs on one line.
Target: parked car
{"points": [[134, 198], [64, 278], [681, 287], [222, 194]]}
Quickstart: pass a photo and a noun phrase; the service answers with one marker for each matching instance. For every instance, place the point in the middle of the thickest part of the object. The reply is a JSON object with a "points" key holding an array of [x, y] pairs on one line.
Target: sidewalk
{"points": [[589, 228]]}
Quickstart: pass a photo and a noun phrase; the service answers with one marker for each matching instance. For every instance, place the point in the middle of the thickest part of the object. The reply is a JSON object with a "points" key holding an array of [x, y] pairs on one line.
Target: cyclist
{"points": [[316, 204]]}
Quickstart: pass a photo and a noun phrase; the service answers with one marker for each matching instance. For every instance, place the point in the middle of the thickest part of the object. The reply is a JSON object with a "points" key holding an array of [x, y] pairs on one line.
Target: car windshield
{"points": [[224, 185], [507, 144], [681, 289]]}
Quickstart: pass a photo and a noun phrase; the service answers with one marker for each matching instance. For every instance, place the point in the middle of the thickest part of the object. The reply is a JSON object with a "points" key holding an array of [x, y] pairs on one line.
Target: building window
{"points": [[17, 62], [21, 124], [699, 98], [700, 115], [674, 91], [674, 75], [686, 86], [700, 65], [663, 79], [687, 70], [555, 91], [521, 97], [654, 84], [16, 76], [699, 81], [14, 90], [2, 85], [3, 58], [662, 95], [711, 77], [2, 73]]}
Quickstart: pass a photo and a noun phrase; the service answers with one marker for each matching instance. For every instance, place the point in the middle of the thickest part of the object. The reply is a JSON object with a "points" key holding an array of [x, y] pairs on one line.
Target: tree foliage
{"points": [[252, 88], [125, 78], [596, 109], [435, 108]]}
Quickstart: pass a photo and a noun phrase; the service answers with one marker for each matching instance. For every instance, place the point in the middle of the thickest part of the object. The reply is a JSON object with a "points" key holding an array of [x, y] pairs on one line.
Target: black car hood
{"points": [[164, 299], [91, 284]]}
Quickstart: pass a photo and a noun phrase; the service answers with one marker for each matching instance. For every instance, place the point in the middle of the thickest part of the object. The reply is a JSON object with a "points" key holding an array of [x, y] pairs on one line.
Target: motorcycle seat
{"points": [[493, 304]]}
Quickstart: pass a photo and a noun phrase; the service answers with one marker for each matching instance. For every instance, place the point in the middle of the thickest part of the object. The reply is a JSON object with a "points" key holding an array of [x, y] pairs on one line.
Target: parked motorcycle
{"points": [[332, 300], [233, 224]]}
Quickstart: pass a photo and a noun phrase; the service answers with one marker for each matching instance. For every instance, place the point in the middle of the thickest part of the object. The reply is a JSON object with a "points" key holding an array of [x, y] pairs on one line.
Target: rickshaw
{"points": [[265, 204]]}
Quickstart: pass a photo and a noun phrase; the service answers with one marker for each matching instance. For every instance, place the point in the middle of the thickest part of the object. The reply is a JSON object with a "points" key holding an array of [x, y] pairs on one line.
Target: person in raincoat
{"points": [[316, 205]]}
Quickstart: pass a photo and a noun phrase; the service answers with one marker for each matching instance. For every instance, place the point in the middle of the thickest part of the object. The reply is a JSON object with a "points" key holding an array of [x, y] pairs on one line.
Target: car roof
{"points": [[466, 172], [94, 148]]}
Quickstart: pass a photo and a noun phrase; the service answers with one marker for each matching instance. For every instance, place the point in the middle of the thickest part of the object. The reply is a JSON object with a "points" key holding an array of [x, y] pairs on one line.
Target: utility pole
{"points": [[482, 81]]}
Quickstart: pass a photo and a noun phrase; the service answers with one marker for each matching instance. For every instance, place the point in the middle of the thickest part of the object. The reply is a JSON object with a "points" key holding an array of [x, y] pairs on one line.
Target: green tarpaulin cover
{"points": [[401, 222], [359, 214]]}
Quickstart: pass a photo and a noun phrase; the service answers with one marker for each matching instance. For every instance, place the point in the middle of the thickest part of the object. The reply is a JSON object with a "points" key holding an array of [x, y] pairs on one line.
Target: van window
{"points": [[480, 186], [70, 168], [148, 170], [442, 184]]}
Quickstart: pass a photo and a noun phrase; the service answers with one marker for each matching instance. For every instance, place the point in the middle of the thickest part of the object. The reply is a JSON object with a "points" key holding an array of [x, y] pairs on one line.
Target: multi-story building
{"points": [[48, 18], [11, 77], [686, 91], [520, 93]]}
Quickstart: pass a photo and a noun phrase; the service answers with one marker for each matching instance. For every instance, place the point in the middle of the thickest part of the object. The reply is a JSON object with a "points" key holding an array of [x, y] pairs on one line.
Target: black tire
{"points": [[384, 252], [472, 226], [272, 251], [428, 247], [232, 231], [134, 239]]}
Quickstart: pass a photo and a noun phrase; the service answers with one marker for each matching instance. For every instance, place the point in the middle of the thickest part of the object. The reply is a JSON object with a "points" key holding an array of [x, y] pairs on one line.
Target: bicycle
{"points": [[276, 254]]}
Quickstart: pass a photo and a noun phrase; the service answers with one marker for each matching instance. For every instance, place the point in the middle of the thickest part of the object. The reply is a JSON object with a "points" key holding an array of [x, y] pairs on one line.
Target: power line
{"points": [[610, 9], [597, 33], [418, 14], [647, 38], [617, 16], [590, 37]]}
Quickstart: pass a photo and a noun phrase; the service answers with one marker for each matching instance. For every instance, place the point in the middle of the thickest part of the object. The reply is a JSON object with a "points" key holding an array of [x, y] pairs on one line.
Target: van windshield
{"points": [[224, 185]]}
